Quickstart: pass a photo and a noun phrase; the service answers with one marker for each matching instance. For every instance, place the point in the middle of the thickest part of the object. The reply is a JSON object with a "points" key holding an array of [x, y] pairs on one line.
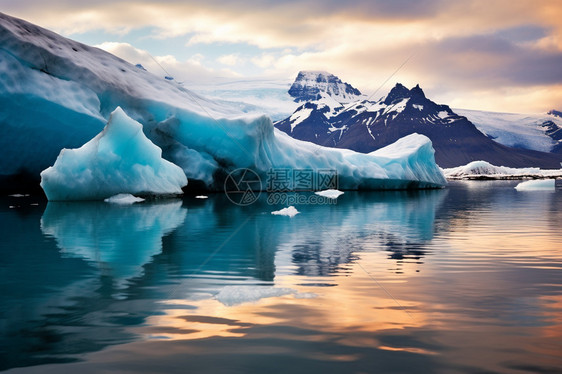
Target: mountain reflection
{"points": [[328, 238]]}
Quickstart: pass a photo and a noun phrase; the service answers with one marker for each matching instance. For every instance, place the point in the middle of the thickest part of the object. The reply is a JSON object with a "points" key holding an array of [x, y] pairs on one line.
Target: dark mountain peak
{"points": [[417, 92], [313, 85], [555, 113], [399, 92]]}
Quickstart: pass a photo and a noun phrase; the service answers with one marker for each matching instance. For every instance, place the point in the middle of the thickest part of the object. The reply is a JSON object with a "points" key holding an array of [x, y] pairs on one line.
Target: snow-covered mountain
{"points": [[56, 93], [539, 132], [315, 85], [365, 126]]}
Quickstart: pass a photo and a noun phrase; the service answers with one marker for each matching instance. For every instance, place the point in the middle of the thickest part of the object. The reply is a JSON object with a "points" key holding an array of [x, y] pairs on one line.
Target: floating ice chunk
{"points": [[235, 295], [537, 185], [290, 211], [120, 159], [201, 197], [124, 198], [331, 194]]}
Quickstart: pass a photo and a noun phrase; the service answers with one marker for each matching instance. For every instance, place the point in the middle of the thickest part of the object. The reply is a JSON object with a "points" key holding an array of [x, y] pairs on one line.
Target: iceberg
{"points": [[537, 185], [330, 194], [119, 160], [485, 170], [254, 143], [60, 93]]}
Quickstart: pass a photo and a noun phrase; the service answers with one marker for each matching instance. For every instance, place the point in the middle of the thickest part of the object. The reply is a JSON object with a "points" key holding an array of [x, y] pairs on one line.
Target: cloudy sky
{"points": [[500, 55]]}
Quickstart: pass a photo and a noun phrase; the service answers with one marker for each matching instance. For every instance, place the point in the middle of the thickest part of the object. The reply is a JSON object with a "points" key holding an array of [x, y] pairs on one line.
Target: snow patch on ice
{"points": [[290, 212], [536, 185], [331, 194], [124, 198]]}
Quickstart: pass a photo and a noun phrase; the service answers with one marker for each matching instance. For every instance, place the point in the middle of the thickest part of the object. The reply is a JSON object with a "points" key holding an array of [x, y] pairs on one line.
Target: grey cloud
{"points": [[490, 60]]}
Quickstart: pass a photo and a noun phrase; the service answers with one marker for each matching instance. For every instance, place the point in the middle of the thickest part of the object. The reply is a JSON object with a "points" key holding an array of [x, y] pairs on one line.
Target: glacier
{"points": [[58, 93], [119, 160], [529, 131]]}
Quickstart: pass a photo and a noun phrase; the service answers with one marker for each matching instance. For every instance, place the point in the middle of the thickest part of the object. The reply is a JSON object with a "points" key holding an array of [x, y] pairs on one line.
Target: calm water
{"points": [[466, 279]]}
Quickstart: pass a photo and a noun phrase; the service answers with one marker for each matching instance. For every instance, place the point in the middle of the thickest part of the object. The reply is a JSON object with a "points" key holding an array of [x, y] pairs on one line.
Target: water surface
{"points": [[465, 279]]}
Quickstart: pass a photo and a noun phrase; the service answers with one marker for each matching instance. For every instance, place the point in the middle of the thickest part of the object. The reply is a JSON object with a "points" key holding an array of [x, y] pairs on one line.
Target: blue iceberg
{"points": [[119, 160]]}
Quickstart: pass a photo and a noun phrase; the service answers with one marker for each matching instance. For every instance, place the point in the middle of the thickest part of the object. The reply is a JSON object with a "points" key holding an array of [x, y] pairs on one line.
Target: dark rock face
{"points": [[369, 125]]}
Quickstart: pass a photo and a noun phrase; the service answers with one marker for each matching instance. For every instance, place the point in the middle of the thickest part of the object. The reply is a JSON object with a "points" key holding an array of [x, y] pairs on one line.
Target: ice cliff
{"points": [[56, 93]]}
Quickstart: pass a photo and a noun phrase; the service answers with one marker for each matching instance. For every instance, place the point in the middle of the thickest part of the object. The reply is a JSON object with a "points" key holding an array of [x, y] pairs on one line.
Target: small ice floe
{"points": [[201, 197], [236, 295], [123, 198], [330, 194], [290, 211], [536, 185]]}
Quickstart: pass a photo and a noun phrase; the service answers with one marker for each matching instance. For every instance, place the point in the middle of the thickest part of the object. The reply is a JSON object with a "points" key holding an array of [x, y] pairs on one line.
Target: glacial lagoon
{"points": [[463, 279]]}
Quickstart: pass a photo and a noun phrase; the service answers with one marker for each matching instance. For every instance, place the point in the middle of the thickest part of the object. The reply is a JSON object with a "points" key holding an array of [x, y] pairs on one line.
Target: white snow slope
{"points": [[514, 130], [58, 93]]}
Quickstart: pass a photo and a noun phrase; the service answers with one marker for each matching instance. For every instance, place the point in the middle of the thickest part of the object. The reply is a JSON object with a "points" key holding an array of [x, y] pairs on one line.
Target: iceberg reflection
{"points": [[119, 240]]}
